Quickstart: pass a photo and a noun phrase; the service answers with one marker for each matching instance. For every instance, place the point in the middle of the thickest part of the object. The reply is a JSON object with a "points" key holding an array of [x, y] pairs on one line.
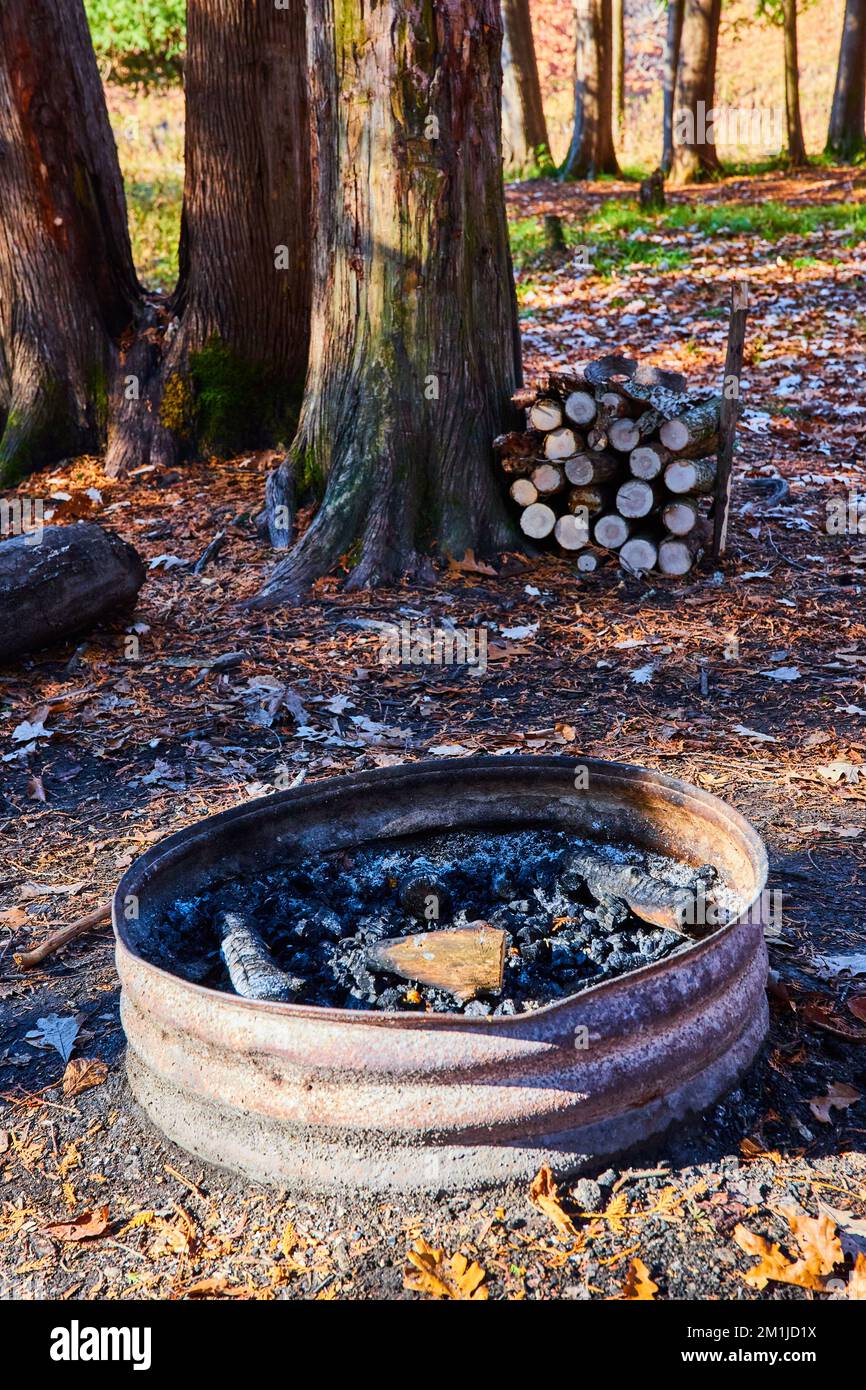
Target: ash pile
{"points": [[616, 460], [481, 923]]}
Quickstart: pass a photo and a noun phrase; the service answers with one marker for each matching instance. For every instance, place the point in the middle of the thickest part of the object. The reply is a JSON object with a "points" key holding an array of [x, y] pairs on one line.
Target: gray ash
{"points": [[319, 916]]}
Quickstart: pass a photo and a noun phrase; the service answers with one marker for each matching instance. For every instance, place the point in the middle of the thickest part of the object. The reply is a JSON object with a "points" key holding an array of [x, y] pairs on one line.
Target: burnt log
{"points": [[60, 581]]}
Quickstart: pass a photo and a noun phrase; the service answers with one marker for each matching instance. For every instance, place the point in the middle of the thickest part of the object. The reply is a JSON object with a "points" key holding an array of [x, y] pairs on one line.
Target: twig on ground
{"points": [[26, 960]]}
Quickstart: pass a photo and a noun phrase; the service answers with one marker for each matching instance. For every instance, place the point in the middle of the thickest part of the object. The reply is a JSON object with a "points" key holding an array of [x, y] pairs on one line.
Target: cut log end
{"points": [[545, 415], [538, 521], [462, 961]]}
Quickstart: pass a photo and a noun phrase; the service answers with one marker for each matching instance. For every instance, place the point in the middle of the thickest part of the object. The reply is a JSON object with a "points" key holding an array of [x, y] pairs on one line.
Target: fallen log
{"points": [[562, 443], [251, 968], [537, 521], [648, 460], [611, 530], [677, 554], [691, 475], [588, 559], [624, 435], [547, 479], [523, 492], [463, 961], [572, 532], [680, 515], [545, 415], [580, 407], [636, 498], [695, 431], [62, 583], [591, 468], [640, 553], [652, 900]]}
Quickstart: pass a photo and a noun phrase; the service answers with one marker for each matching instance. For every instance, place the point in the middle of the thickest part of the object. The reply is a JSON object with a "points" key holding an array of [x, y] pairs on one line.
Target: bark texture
{"points": [[592, 151], [68, 290], [62, 582], [234, 360], [847, 134], [694, 153], [673, 41], [414, 346], [525, 142], [796, 143], [618, 33]]}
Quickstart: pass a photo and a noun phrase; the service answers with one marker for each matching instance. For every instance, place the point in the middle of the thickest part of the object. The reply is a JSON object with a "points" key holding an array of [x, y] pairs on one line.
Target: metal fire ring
{"points": [[321, 1098]]}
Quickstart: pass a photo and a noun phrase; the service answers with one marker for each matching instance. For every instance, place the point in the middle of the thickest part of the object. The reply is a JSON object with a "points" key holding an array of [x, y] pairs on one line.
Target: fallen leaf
{"points": [[839, 1096], [82, 1073], [431, 1273], [858, 1007], [14, 917], [857, 1279], [85, 1227], [36, 788], [783, 673], [638, 1284], [746, 732], [544, 1194], [57, 1032], [819, 1248]]}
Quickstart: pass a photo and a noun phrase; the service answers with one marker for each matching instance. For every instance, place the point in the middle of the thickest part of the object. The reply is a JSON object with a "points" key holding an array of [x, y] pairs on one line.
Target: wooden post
{"points": [[729, 412]]}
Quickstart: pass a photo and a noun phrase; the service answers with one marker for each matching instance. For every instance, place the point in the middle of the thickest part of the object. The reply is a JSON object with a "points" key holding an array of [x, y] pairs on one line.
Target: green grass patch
{"points": [[154, 226], [619, 234]]}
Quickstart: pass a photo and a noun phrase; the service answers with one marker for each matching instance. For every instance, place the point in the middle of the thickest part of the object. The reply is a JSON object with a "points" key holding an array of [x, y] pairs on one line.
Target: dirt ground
{"points": [[757, 692]]}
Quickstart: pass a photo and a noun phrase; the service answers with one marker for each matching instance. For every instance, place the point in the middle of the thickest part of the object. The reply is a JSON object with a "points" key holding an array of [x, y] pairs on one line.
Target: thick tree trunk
{"points": [[234, 363], [676, 11], [592, 150], [618, 34], [847, 134], [68, 290], [415, 352], [525, 142], [796, 143], [694, 134]]}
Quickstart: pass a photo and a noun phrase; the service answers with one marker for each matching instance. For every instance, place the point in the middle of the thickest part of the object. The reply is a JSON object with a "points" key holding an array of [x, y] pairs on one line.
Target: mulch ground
{"points": [[756, 690]]}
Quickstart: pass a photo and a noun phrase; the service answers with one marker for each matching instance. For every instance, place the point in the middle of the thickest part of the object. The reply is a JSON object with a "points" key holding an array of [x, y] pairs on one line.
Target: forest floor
{"points": [[756, 691]]}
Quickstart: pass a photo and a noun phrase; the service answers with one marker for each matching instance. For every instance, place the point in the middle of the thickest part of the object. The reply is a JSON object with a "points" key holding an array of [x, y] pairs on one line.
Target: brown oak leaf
{"points": [[439, 1276]]}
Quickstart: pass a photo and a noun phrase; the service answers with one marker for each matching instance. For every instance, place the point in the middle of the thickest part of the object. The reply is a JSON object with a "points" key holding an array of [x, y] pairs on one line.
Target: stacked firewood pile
{"points": [[615, 458]]}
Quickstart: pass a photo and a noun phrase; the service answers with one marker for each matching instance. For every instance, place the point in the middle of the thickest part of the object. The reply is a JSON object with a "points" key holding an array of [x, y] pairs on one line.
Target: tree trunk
{"points": [[847, 134], [234, 363], [796, 143], [618, 34], [694, 135], [592, 150], [676, 10], [415, 351], [525, 142], [68, 289]]}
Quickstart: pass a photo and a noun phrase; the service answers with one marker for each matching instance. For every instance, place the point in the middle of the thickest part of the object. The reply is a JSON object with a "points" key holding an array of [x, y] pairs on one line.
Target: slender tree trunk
{"points": [[415, 351], [694, 134], [525, 142], [676, 10], [228, 375], [68, 290], [618, 32], [592, 150], [847, 134], [796, 143]]}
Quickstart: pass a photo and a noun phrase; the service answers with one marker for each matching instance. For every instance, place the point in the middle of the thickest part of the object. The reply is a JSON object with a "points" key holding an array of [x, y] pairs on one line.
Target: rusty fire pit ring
{"points": [[320, 1098]]}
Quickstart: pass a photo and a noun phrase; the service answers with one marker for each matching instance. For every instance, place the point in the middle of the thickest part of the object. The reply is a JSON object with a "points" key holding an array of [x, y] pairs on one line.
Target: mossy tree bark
{"points": [[796, 143], [694, 155], [230, 373], [847, 134], [592, 150], [414, 346], [525, 141], [68, 289]]}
